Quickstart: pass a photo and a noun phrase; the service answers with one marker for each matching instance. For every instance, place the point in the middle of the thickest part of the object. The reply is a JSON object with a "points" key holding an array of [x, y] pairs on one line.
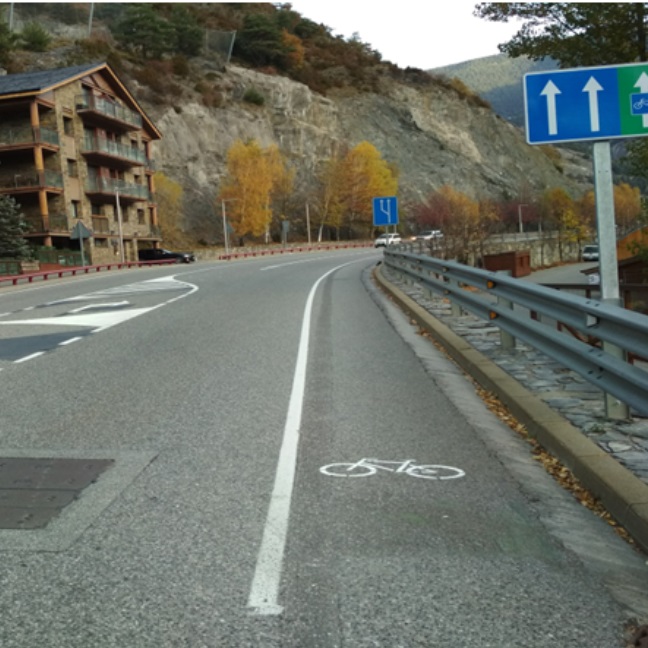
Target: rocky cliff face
{"points": [[431, 134]]}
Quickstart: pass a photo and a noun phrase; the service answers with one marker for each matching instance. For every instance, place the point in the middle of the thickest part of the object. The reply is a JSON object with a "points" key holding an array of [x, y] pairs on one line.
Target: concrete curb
{"points": [[623, 494]]}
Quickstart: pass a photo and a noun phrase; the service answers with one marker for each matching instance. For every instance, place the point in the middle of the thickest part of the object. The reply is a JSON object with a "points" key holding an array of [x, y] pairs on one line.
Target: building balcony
{"points": [[101, 111], [107, 190], [30, 181], [57, 223], [21, 137], [97, 148]]}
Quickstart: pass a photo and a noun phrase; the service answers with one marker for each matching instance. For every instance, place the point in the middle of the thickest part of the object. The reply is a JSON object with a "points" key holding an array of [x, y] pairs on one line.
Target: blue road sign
{"points": [[586, 104], [385, 211]]}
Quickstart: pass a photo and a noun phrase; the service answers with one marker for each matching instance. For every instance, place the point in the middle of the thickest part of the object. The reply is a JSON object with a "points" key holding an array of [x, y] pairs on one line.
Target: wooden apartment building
{"points": [[76, 146]]}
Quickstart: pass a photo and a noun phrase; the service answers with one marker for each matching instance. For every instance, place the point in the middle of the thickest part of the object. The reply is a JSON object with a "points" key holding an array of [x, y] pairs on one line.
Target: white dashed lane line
{"points": [[29, 357]]}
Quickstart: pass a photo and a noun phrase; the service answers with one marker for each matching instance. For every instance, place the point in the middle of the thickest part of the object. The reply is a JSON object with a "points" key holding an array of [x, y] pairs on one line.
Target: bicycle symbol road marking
{"points": [[368, 467]]}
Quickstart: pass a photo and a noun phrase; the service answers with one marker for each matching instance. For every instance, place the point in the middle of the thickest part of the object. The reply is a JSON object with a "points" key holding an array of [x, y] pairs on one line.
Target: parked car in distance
{"points": [[428, 235], [590, 253], [387, 239], [160, 254]]}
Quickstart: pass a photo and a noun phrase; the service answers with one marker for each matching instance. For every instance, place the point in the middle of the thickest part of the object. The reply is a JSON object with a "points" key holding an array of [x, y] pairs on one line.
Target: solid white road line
{"points": [[264, 593]]}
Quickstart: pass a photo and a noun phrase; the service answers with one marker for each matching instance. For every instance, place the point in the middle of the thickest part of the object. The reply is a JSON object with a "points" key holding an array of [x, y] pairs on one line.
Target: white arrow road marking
{"points": [[550, 91], [642, 85], [593, 87], [97, 321], [90, 306], [105, 319]]}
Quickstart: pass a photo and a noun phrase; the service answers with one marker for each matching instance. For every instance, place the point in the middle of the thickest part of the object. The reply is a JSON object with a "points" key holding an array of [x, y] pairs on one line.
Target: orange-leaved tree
{"points": [[329, 201], [564, 214], [627, 208], [168, 195], [252, 175], [363, 176]]}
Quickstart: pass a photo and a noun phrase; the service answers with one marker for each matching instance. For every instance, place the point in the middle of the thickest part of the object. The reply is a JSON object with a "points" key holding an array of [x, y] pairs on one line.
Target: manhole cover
{"points": [[34, 491]]}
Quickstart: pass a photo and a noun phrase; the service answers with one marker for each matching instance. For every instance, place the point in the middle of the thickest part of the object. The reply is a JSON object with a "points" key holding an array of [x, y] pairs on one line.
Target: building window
{"points": [[141, 218], [68, 126], [76, 209], [72, 169], [124, 214]]}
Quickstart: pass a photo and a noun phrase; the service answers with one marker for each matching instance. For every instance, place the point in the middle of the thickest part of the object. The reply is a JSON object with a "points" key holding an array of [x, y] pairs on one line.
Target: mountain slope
{"points": [[498, 80]]}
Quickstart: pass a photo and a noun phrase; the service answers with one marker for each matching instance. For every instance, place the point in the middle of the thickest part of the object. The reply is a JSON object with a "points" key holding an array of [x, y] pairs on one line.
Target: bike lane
{"points": [[389, 559]]}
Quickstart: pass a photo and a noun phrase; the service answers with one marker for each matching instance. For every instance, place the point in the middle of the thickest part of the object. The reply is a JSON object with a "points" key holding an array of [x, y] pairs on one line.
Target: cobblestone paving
{"points": [[561, 389]]}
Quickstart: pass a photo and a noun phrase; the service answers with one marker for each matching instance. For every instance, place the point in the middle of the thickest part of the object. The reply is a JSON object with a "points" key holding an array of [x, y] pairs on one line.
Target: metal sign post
{"points": [[608, 266], [80, 232], [592, 104]]}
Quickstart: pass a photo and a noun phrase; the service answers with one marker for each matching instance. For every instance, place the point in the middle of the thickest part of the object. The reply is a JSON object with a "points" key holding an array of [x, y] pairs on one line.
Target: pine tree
{"points": [[12, 228]]}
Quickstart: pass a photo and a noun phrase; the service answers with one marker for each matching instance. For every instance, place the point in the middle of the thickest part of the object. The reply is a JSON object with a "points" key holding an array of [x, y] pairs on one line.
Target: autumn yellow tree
{"points": [[168, 194], [328, 198], [627, 208], [282, 177], [253, 173], [366, 176], [563, 213]]}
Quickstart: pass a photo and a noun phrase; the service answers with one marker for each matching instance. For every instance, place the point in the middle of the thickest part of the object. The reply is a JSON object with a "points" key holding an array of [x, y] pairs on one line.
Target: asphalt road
{"points": [[223, 392]]}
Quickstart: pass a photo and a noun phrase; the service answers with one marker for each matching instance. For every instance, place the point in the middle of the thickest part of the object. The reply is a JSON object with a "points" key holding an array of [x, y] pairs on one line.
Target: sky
{"points": [[412, 33]]}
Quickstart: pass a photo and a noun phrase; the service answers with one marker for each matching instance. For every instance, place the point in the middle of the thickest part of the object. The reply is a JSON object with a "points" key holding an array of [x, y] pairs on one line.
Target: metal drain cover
{"points": [[34, 491]]}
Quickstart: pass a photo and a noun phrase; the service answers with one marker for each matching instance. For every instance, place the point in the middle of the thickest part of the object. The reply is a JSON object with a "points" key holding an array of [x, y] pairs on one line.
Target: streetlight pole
{"points": [[225, 235], [520, 217], [120, 227]]}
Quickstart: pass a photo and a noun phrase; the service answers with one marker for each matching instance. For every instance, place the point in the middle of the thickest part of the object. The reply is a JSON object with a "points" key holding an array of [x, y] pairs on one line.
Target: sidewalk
{"points": [[560, 409]]}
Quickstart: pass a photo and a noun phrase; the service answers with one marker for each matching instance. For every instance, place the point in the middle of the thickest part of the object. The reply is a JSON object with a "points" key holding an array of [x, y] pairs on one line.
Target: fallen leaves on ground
{"points": [[551, 464]]}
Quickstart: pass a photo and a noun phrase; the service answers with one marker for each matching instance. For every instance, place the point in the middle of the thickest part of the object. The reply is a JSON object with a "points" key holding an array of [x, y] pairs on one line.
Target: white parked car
{"points": [[429, 235], [387, 239], [590, 253]]}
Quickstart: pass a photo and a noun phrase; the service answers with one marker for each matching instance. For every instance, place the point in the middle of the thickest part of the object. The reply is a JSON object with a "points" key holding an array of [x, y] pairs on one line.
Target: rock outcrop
{"points": [[431, 133]]}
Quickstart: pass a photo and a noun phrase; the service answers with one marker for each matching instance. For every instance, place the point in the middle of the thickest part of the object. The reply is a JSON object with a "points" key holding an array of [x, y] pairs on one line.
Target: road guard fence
{"points": [[534, 313], [72, 271]]}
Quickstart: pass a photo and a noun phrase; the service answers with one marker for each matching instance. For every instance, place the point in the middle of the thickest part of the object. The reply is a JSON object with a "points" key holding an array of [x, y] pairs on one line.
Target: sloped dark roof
{"points": [[33, 82], [28, 84]]}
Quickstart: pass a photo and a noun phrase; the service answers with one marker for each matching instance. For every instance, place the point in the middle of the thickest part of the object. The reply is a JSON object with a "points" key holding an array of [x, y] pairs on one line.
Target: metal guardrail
{"points": [[511, 305]]}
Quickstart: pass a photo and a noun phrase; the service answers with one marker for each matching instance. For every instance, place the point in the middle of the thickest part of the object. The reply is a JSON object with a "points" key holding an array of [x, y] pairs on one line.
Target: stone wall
{"points": [[545, 249]]}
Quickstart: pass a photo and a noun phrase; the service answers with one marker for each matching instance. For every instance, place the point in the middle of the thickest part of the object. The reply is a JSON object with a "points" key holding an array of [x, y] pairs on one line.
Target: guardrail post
{"points": [[614, 408], [507, 341], [455, 308]]}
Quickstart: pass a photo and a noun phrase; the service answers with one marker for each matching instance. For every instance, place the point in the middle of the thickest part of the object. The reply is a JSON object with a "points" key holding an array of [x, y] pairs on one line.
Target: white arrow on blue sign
{"points": [[385, 211], [586, 104]]}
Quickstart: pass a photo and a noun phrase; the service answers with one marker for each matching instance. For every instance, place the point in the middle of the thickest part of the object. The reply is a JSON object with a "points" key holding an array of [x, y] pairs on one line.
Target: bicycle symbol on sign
{"points": [[368, 467], [641, 104]]}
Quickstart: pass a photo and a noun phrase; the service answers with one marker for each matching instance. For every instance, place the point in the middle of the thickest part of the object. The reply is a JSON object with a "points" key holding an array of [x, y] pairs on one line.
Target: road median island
{"points": [[622, 493]]}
